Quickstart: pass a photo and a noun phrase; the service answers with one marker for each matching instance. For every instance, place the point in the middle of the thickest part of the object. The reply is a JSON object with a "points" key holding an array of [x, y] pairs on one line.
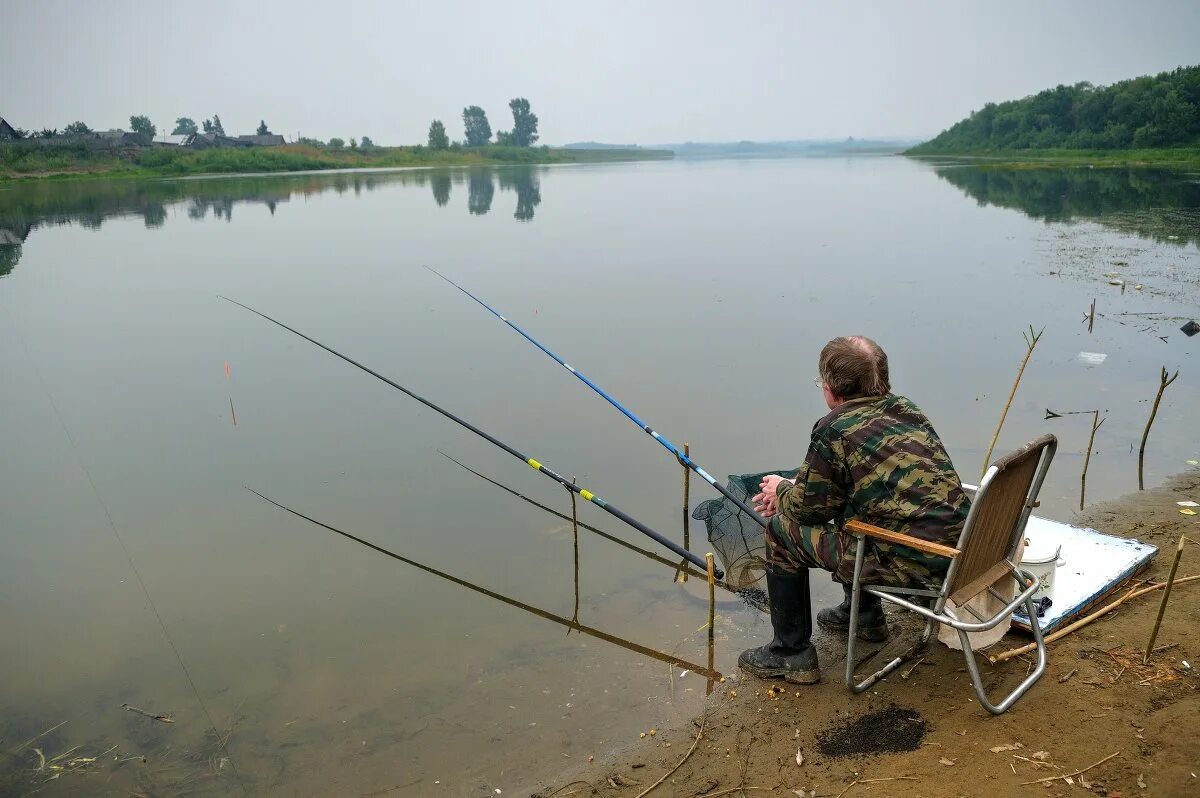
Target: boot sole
{"points": [[868, 634], [794, 677]]}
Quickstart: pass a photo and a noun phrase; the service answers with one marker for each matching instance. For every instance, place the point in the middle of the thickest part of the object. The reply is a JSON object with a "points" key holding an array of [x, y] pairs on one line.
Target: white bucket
{"points": [[1042, 562]]}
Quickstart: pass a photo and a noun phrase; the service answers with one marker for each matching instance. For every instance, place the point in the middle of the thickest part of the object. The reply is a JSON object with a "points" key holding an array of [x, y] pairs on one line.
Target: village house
{"points": [[7, 131]]}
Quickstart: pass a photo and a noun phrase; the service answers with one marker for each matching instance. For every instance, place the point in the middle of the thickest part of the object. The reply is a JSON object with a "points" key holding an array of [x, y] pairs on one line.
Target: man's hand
{"points": [[766, 503]]}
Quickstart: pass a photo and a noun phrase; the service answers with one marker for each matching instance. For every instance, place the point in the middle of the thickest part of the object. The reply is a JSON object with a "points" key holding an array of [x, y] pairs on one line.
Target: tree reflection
{"points": [[27, 207], [440, 182], [480, 190], [1158, 204], [524, 181]]}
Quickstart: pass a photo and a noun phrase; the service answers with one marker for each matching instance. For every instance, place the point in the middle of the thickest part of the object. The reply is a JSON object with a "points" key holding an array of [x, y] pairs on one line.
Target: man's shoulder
{"points": [[890, 410]]}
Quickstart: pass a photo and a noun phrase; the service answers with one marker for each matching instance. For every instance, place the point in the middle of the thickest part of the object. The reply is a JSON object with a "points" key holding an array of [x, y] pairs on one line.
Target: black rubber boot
{"points": [[790, 654], [872, 623]]}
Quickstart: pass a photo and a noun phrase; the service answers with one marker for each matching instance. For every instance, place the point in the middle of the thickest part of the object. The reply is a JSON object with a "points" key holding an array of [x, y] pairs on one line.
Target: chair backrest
{"points": [[997, 519]]}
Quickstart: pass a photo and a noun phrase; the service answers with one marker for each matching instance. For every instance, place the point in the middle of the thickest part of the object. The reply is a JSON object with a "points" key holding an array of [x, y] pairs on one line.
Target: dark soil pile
{"points": [[885, 731]]}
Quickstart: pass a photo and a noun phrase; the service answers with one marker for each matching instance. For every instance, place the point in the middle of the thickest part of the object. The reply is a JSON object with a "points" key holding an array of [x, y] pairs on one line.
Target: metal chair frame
{"points": [[1027, 584]]}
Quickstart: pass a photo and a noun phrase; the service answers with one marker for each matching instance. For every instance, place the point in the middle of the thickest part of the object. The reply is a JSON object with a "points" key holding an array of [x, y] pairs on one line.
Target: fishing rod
{"points": [[670, 447], [532, 463]]}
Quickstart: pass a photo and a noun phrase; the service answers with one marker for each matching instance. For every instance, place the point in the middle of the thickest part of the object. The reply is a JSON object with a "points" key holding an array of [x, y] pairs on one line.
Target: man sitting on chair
{"points": [[875, 458]]}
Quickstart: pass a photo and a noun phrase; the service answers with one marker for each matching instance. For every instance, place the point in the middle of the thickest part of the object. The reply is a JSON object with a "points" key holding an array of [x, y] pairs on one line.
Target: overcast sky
{"points": [[622, 72]]}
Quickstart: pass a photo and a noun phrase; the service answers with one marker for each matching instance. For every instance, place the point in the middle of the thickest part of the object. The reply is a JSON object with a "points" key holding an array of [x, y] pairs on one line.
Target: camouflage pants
{"points": [[792, 546]]}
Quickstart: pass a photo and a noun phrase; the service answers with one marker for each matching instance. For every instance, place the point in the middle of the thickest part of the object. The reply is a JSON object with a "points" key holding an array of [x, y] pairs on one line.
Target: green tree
{"points": [[76, 129], [353, 143], [262, 128], [525, 123], [143, 125], [184, 126], [47, 133], [475, 123], [214, 126], [335, 143], [438, 140], [366, 143], [1151, 111]]}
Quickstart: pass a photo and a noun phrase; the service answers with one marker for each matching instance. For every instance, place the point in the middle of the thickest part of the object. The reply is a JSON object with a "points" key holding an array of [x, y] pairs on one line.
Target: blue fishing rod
{"points": [[670, 447], [531, 462]]}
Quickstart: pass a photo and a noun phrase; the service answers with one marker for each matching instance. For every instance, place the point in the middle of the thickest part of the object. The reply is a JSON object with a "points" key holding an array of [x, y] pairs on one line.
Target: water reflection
{"points": [[25, 208], [1159, 204], [570, 623]]}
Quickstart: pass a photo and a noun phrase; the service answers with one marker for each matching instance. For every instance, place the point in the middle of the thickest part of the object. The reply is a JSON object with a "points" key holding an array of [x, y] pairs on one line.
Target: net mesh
{"points": [[737, 538]]}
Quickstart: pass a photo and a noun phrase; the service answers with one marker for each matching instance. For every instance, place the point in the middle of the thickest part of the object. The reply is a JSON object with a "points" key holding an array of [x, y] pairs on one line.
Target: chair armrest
{"points": [[856, 527]]}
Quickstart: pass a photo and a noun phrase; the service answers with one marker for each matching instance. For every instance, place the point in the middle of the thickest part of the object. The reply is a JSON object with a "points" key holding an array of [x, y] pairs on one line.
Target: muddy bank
{"points": [[931, 738]]}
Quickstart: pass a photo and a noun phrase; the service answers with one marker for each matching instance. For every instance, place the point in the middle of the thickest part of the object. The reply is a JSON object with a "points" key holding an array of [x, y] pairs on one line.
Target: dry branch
{"points": [[1163, 382], [1031, 339]]}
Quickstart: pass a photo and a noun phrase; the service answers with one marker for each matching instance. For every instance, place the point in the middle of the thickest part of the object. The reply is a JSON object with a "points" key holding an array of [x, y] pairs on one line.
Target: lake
{"points": [[139, 409]]}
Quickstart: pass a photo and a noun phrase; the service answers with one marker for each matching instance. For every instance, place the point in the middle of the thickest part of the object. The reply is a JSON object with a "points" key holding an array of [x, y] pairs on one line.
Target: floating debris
{"points": [[1190, 329]]}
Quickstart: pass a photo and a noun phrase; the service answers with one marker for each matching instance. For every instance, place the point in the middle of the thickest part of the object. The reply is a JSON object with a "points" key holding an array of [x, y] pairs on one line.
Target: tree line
{"points": [[1146, 112], [477, 131]]}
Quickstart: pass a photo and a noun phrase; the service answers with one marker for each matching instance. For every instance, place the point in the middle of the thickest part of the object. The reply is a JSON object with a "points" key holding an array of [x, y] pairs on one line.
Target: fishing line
{"points": [[128, 556]]}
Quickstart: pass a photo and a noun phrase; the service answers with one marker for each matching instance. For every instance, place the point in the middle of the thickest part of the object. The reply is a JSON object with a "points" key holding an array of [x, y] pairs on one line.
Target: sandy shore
{"points": [[1093, 702]]}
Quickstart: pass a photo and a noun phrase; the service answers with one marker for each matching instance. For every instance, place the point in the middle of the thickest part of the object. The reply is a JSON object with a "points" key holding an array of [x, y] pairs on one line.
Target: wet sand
{"points": [[1090, 704]]}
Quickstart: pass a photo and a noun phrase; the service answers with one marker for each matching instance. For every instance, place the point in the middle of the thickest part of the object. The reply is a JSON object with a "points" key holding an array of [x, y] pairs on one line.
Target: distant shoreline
{"points": [[19, 164], [1171, 157]]}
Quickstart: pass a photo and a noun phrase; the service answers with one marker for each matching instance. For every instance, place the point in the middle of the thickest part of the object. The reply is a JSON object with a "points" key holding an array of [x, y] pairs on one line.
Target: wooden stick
{"points": [[695, 742], [1134, 593], [1163, 382], [1092, 316], [687, 526], [732, 790], [1075, 773], [1162, 607], [712, 610], [1087, 458], [575, 537], [847, 788], [1030, 342]]}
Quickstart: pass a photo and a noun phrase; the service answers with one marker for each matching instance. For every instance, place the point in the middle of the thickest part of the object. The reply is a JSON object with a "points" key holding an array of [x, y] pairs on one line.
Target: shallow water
{"points": [[697, 293]]}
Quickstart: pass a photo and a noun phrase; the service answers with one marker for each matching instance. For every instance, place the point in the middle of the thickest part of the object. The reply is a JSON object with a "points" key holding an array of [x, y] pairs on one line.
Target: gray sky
{"points": [[610, 71]]}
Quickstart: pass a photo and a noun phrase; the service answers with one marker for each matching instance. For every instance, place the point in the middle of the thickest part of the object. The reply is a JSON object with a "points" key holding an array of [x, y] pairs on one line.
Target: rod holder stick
{"points": [[712, 610], [1162, 605], [575, 538], [1097, 422], [1163, 382], [687, 527], [1031, 340]]}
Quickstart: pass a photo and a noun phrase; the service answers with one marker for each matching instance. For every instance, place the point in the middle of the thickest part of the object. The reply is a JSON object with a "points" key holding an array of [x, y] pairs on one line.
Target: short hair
{"points": [[853, 367]]}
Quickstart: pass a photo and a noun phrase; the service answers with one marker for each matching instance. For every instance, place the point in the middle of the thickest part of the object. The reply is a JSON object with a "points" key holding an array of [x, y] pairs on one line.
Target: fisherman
{"points": [[876, 458]]}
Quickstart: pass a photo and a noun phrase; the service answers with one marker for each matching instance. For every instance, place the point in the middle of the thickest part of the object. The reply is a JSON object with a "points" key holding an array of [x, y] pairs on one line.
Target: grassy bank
{"points": [[25, 163], [1174, 156]]}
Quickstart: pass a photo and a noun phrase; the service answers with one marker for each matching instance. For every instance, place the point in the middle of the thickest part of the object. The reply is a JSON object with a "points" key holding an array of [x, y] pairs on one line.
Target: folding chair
{"points": [[985, 555]]}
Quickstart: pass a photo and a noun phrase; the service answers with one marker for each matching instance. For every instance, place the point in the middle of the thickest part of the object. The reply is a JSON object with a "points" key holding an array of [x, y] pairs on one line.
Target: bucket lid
{"points": [[1038, 552]]}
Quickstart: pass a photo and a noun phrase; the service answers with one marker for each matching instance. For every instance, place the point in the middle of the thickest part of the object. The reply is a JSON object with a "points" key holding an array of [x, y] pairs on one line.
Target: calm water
{"points": [[697, 293]]}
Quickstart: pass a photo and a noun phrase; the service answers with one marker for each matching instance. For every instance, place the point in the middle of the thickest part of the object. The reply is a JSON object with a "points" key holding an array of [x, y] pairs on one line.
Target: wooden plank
{"points": [[981, 583], [870, 530]]}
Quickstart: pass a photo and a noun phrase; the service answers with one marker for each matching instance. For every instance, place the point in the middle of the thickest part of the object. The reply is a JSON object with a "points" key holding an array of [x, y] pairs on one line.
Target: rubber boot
{"points": [[790, 654], [872, 623]]}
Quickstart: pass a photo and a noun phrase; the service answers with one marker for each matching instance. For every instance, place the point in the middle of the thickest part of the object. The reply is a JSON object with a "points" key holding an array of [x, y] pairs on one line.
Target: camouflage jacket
{"points": [[879, 460]]}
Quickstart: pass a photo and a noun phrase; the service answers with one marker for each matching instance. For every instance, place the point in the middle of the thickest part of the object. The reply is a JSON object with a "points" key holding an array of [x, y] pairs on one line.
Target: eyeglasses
{"points": [[817, 381]]}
